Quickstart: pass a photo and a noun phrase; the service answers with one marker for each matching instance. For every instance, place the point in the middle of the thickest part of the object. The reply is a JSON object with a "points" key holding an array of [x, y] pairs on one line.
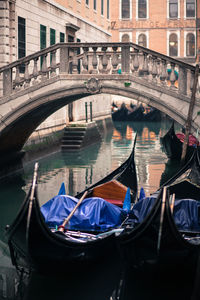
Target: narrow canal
{"points": [[78, 170]]}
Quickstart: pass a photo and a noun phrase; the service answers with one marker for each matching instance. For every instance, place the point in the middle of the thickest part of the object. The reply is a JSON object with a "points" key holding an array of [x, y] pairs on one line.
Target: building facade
{"points": [[29, 26], [165, 26]]}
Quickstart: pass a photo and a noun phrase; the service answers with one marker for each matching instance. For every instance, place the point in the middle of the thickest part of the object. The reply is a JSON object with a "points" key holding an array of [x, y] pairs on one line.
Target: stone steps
{"points": [[73, 137], [77, 137]]}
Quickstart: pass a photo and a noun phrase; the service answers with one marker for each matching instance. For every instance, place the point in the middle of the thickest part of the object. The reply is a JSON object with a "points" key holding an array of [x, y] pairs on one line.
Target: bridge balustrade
{"points": [[98, 59]]}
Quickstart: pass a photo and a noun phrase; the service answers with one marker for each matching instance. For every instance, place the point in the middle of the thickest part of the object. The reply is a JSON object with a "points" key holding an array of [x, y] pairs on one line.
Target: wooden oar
{"points": [[161, 218], [172, 203], [62, 227]]}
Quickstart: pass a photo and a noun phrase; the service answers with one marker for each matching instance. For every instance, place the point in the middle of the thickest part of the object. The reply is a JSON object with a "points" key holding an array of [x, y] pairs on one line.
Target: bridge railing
{"points": [[98, 58]]}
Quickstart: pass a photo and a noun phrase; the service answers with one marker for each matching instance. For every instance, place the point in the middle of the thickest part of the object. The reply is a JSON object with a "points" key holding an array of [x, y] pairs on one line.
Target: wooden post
{"points": [[190, 112]]}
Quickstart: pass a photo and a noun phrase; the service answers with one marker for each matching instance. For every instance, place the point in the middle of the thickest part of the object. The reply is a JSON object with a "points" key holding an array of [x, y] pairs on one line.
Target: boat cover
{"points": [[93, 214], [186, 213], [192, 141]]}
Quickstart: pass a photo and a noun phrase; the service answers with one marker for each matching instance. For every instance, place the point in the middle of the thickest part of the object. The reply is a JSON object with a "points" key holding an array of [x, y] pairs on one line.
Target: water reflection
{"points": [[78, 170], [98, 283]]}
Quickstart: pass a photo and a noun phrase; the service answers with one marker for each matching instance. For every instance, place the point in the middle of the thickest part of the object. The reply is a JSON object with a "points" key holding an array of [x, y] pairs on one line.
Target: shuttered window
{"points": [[43, 40], [21, 40], [62, 37]]}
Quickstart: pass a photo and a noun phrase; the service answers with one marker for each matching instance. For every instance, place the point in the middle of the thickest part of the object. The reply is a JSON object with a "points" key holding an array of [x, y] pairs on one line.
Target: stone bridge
{"points": [[36, 86]]}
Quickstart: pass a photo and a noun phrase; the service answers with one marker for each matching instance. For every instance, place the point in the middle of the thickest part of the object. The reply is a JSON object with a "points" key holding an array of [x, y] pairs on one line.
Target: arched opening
{"points": [[173, 44], [190, 44], [125, 38], [142, 40]]}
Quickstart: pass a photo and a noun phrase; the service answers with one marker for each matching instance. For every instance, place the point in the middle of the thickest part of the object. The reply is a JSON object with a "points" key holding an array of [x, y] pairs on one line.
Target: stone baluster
{"points": [[74, 62], [172, 77], [163, 71], [94, 61], [35, 71], [104, 61], [154, 67], [158, 70], [135, 62], [64, 59], [125, 58], [27, 77], [145, 64], [53, 63], [17, 78], [7, 82], [115, 60], [150, 66], [85, 60], [44, 67], [191, 79]]}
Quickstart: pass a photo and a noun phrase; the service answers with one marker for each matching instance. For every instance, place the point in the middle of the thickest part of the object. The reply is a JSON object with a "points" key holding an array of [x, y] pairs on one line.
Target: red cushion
{"points": [[116, 202]]}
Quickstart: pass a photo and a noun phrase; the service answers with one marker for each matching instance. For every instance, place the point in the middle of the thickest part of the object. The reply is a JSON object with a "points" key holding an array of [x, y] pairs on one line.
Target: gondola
{"points": [[153, 115], [136, 114], [120, 114], [161, 246], [33, 245], [173, 143]]}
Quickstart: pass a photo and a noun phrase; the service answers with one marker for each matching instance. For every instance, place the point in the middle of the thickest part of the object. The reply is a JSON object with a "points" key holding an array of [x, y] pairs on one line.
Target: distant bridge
{"points": [[66, 72]]}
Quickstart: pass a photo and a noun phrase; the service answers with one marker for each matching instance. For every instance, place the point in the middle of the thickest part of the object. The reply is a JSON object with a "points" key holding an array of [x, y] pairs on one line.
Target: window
{"points": [[173, 45], [52, 36], [87, 2], [108, 9], [95, 4], [173, 9], [62, 37], [21, 40], [102, 7], [43, 31], [125, 8], [190, 8], [142, 40], [190, 44], [43, 40], [142, 9], [125, 38]]}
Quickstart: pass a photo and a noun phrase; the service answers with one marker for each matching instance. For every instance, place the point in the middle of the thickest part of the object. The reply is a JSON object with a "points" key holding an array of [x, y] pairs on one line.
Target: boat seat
{"points": [[112, 191]]}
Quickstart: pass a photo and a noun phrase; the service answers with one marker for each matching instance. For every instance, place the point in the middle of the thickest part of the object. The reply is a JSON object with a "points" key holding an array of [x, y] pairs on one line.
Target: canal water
{"points": [[78, 169]]}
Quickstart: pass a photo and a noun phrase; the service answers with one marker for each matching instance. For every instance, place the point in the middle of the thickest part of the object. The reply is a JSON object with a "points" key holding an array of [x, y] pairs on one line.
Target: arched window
{"points": [[142, 40], [142, 9], [125, 38], [125, 9], [173, 45], [190, 44]]}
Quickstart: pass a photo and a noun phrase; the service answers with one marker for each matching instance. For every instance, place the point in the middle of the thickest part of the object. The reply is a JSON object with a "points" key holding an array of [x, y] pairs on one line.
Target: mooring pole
{"points": [[189, 117]]}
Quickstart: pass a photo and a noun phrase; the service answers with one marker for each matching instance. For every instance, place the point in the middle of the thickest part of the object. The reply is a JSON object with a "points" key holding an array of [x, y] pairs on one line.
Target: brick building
{"points": [[166, 26]]}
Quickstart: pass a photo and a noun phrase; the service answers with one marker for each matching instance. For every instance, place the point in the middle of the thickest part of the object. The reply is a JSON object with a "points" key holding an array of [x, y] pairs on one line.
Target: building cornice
{"points": [[73, 14]]}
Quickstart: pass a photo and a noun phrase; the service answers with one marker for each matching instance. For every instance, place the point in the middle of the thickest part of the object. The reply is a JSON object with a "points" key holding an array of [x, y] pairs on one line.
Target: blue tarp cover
{"points": [[186, 213], [93, 214]]}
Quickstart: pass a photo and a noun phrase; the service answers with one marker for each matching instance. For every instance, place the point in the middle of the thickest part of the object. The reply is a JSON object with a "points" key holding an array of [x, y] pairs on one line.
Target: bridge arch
{"points": [[41, 105], [124, 69]]}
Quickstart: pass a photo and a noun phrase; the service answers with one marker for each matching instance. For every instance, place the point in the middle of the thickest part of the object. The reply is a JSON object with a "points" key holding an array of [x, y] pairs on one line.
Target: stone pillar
{"points": [[7, 35], [182, 80], [125, 59]]}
